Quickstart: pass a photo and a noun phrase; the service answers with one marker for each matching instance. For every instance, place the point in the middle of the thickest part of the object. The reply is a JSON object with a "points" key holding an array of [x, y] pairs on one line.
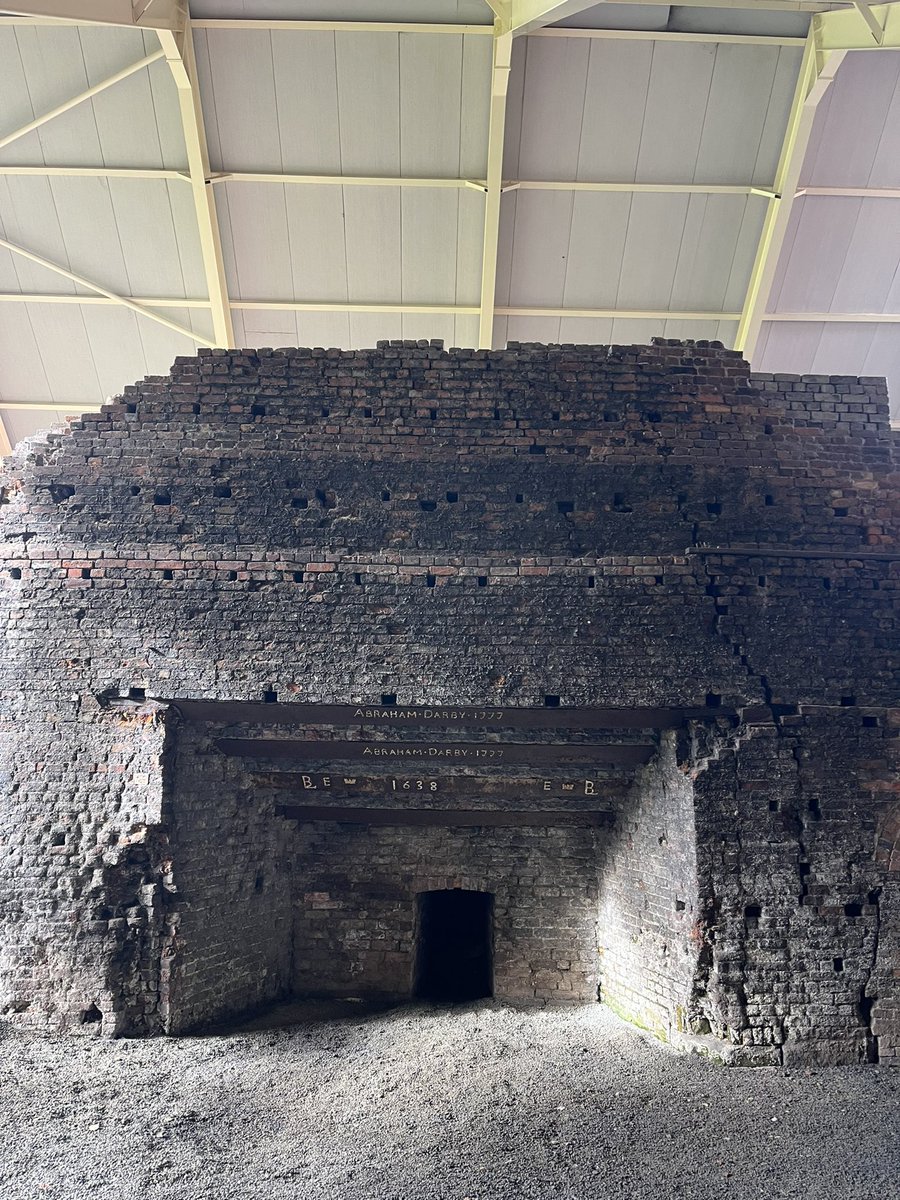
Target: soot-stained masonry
{"points": [[300, 643]]}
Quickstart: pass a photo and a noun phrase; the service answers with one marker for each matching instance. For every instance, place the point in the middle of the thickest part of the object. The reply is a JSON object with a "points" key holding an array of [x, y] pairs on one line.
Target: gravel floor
{"points": [[479, 1102]]}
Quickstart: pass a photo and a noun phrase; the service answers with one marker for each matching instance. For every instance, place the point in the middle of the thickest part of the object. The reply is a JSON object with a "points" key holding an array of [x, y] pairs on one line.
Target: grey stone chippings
{"points": [[433, 1104]]}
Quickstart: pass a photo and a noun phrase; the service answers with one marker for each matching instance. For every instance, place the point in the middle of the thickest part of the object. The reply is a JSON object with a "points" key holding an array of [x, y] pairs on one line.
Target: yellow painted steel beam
{"points": [[345, 180], [74, 298], [669, 35], [500, 310], [48, 406], [865, 193], [855, 28], [95, 172], [351, 306], [500, 69], [179, 51], [133, 14], [80, 98], [875, 26], [526, 16], [616, 314], [812, 83], [706, 189], [273, 23], [125, 301], [836, 318], [477, 185]]}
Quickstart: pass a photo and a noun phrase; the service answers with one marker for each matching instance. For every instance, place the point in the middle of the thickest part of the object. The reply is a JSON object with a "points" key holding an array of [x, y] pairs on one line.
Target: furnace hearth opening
{"points": [[454, 945]]}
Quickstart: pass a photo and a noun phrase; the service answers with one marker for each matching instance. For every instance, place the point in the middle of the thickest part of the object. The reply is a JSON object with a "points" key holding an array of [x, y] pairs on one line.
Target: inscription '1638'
{"points": [[426, 785]]}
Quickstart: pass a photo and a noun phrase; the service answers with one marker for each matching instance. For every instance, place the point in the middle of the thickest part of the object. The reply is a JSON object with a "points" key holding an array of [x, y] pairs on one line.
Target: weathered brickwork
{"points": [[579, 526]]}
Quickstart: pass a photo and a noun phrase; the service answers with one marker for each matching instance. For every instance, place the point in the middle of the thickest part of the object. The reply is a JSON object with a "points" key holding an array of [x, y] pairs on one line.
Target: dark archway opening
{"points": [[454, 958]]}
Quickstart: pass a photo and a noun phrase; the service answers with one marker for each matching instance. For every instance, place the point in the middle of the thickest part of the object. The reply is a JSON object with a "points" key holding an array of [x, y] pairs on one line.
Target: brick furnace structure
{"points": [[530, 673]]}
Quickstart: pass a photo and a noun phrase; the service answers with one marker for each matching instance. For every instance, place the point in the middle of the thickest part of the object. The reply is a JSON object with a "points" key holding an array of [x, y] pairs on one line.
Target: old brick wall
{"points": [[356, 916], [649, 905], [233, 910], [609, 526]]}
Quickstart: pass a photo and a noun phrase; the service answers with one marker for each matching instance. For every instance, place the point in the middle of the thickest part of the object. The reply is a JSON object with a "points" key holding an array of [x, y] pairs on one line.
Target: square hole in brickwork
{"points": [[452, 497], [299, 502], [385, 495], [15, 572], [482, 581], [428, 505], [826, 584], [326, 412], [565, 506], [853, 910], [770, 500], [258, 410], [168, 574], [534, 448], [551, 701], [848, 701], [297, 576], [773, 806], [714, 508], [713, 700], [752, 912], [430, 580], [135, 490], [131, 408], [195, 409], [496, 414], [841, 511], [870, 722], [270, 697], [162, 498], [367, 412], [591, 581], [222, 491], [680, 906], [519, 498], [357, 579], [838, 964], [389, 698]]}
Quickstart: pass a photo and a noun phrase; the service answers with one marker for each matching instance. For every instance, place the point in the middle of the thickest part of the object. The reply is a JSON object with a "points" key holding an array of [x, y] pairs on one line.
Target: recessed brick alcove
{"points": [[571, 667]]}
